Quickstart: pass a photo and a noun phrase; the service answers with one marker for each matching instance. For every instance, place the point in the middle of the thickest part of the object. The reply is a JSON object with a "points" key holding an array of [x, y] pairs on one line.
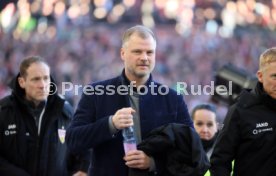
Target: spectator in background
{"points": [[33, 124], [248, 135], [100, 118], [206, 125]]}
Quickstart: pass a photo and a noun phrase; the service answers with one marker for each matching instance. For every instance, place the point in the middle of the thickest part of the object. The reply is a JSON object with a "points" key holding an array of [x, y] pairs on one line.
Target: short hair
{"points": [[140, 30], [267, 57], [204, 106], [27, 62]]}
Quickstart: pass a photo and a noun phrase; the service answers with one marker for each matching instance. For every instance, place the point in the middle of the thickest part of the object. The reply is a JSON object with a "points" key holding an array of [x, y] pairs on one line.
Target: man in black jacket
{"points": [[248, 136], [33, 123]]}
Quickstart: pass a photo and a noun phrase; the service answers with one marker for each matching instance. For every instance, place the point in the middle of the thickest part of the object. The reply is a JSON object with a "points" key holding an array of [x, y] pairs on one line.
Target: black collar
{"points": [[126, 81], [264, 97]]}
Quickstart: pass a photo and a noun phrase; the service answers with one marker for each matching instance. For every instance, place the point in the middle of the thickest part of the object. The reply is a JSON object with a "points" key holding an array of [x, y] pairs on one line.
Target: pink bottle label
{"points": [[129, 146]]}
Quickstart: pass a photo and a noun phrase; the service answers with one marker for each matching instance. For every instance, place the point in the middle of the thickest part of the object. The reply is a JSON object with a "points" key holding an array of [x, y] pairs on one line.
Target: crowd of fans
{"points": [[84, 55], [82, 49]]}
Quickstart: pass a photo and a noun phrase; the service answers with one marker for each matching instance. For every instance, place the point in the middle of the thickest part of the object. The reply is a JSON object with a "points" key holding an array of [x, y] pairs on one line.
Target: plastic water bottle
{"points": [[129, 139]]}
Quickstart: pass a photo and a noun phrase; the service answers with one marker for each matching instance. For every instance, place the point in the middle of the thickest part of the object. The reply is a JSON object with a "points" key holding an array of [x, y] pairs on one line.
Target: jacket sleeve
{"points": [[75, 162], [226, 144], [183, 115], [85, 131], [7, 168]]}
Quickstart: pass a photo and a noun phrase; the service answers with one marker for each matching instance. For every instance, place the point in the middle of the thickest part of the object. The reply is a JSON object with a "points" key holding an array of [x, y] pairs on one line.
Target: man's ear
{"points": [[21, 82], [260, 76]]}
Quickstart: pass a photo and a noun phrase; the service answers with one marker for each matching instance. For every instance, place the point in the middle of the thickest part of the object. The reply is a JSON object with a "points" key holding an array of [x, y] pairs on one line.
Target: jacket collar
{"points": [[126, 81], [256, 96], [264, 97]]}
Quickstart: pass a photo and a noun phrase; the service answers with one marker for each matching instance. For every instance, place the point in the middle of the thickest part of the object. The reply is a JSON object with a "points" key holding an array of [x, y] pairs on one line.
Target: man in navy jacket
{"points": [[132, 98]]}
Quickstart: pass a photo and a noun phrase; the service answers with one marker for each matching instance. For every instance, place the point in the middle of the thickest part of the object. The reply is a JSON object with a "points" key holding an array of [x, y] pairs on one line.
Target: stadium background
{"points": [[81, 38]]}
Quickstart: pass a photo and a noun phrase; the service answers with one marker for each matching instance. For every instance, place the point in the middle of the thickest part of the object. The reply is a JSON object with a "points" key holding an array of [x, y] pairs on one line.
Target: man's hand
{"points": [[137, 159], [80, 173], [123, 118]]}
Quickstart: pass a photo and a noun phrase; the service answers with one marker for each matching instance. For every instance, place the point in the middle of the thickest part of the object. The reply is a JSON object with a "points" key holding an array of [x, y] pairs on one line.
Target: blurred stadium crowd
{"points": [[81, 38]]}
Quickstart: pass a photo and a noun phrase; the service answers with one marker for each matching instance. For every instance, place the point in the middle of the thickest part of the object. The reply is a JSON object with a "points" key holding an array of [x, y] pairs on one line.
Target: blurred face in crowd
{"points": [[138, 55], [36, 82], [205, 123], [267, 76]]}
